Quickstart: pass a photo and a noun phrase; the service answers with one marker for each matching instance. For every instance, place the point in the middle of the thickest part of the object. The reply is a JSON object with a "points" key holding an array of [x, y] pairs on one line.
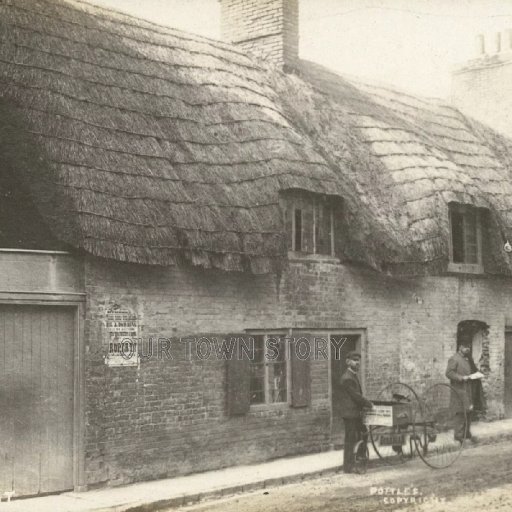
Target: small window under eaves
{"points": [[310, 224], [466, 239]]}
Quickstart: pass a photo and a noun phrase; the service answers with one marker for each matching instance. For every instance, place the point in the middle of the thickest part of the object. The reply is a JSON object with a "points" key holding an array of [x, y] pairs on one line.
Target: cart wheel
{"points": [[361, 456], [395, 444], [435, 438]]}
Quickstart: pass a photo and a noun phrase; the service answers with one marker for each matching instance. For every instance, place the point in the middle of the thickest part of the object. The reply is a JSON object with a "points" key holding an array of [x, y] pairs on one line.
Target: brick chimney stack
{"points": [[482, 86], [269, 29]]}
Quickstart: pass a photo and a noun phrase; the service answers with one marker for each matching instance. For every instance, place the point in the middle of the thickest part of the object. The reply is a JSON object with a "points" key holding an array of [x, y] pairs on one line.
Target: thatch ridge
{"points": [[152, 39], [116, 19], [156, 27]]}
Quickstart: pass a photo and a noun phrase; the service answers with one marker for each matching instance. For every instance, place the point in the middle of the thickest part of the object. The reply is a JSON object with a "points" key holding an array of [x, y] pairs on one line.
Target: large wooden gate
{"points": [[36, 398]]}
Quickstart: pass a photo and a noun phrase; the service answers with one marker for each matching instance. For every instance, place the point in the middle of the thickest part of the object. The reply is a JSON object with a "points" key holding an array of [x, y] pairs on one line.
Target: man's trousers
{"points": [[354, 429], [459, 432]]}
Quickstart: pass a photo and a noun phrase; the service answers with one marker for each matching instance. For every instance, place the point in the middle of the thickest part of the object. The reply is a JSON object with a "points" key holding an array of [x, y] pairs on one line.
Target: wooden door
{"points": [[347, 343], [508, 374], [36, 398]]}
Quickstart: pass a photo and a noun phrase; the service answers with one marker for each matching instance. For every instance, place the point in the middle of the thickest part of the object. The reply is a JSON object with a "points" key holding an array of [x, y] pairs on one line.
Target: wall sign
{"points": [[122, 326]]}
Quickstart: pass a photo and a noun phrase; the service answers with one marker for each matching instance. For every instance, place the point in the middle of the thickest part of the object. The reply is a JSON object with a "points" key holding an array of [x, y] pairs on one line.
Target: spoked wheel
{"points": [[392, 436], [439, 431], [361, 456]]}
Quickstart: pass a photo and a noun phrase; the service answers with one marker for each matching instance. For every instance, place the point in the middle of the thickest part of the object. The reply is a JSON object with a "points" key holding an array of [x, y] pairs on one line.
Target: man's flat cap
{"points": [[353, 355]]}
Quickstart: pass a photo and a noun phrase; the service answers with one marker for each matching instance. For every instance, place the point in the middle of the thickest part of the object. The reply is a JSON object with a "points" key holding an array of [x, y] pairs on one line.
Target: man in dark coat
{"points": [[458, 371], [352, 403]]}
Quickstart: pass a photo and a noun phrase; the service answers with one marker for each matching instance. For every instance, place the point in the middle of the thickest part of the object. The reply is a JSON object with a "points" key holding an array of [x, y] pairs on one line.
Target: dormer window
{"points": [[310, 223], [466, 239]]}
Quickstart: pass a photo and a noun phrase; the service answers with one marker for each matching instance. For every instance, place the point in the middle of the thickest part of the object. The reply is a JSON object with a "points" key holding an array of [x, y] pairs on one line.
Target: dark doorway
{"points": [[475, 332], [341, 345]]}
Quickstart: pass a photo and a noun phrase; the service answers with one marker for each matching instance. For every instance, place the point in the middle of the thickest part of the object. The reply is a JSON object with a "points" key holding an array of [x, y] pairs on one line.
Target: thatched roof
{"points": [[146, 144], [401, 160], [160, 146]]}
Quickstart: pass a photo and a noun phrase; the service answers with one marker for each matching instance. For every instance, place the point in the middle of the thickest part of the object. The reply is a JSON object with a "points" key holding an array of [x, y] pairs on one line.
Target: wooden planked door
{"points": [[508, 374], [36, 398]]}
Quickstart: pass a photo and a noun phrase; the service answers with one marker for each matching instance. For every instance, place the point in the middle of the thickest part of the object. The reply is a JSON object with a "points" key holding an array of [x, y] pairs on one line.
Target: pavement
{"points": [[184, 490]]}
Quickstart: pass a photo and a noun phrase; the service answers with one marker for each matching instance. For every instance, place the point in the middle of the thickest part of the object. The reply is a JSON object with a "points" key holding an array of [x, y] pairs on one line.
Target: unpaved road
{"points": [[480, 480]]}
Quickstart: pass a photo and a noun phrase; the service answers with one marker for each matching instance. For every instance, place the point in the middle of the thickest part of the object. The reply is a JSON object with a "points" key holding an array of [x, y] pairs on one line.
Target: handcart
{"points": [[403, 424]]}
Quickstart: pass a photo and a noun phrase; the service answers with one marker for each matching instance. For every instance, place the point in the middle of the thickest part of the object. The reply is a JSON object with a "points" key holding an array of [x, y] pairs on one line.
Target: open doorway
{"points": [[475, 334], [341, 345]]}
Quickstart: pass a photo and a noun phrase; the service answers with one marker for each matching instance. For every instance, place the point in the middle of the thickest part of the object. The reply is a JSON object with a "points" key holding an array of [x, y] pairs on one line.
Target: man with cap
{"points": [[352, 403], [458, 371]]}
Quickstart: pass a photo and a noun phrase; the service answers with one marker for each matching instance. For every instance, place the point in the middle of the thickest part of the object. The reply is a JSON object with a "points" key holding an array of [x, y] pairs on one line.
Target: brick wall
{"points": [[483, 89], [269, 29], [168, 417], [411, 324]]}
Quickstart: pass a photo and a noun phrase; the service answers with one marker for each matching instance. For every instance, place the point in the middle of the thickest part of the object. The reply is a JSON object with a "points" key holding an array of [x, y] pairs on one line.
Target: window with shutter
{"points": [[238, 376]]}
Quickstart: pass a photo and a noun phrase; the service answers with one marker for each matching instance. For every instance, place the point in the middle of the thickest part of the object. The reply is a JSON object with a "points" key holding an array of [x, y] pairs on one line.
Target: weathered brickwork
{"points": [[268, 29], [168, 416], [483, 89]]}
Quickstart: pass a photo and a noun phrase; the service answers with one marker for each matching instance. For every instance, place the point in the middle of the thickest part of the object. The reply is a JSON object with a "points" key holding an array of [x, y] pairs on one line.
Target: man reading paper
{"points": [[461, 403]]}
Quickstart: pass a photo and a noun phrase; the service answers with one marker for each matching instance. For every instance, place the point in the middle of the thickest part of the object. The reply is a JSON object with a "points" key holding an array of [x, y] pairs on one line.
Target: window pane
{"points": [[277, 369], [257, 384], [323, 228], [470, 237], [307, 227], [275, 348], [297, 235], [277, 376], [257, 372], [457, 237], [259, 349]]}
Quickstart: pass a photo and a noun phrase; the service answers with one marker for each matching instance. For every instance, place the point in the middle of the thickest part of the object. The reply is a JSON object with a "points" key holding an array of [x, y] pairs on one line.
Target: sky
{"points": [[411, 44]]}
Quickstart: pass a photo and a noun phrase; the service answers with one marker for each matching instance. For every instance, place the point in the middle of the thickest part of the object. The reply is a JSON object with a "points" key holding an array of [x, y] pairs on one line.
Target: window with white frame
{"points": [[269, 369], [466, 238], [311, 222]]}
